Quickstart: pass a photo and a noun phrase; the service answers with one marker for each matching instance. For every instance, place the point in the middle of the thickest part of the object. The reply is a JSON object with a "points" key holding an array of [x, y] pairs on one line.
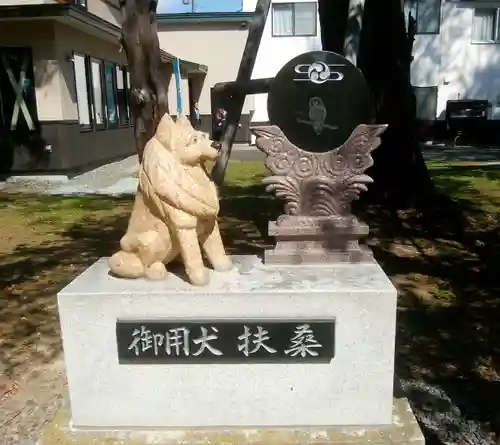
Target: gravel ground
{"points": [[30, 403], [446, 420]]}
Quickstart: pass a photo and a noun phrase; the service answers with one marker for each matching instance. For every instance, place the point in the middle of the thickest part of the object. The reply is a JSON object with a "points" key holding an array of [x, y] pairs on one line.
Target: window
{"points": [[102, 90], [122, 96], [82, 3], [17, 91], [294, 19], [427, 14], [426, 101], [110, 78], [97, 90], [485, 26], [82, 90]]}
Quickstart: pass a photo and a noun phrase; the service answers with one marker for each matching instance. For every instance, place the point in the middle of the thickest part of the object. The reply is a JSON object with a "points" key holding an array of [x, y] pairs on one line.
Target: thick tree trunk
{"points": [[400, 172], [148, 87], [333, 20]]}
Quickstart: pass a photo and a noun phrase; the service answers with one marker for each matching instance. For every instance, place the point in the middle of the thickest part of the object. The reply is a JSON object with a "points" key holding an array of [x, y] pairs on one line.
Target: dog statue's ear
{"points": [[165, 132], [184, 123]]}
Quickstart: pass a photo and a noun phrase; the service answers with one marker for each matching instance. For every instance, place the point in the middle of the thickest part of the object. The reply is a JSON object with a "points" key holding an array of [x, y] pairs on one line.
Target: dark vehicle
{"points": [[467, 118]]}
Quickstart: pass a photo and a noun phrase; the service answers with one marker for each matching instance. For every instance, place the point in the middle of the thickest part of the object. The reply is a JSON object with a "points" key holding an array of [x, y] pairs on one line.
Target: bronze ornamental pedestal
{"points": [[318, 184]]}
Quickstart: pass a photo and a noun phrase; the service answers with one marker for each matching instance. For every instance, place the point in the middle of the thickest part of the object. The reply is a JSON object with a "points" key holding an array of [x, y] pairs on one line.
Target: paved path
{"points": [[120, 178], [462, 154]]}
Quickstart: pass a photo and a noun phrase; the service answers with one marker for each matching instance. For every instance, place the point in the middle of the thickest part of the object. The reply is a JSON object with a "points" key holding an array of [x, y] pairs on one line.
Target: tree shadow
{"points": [[443, 260], [33, 273], [444, 264]]}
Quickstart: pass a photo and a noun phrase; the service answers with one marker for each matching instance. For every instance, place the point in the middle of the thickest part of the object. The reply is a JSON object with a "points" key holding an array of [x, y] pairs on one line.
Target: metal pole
{"points": [[178, 87]]}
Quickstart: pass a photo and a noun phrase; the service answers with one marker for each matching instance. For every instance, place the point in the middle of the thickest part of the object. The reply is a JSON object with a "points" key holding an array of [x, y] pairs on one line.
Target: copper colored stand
{"points": [[318, 226]]}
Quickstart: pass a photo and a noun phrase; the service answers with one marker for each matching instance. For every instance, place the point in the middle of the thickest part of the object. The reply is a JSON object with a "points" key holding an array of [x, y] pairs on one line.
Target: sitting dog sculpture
{"points": [[175, 208]]}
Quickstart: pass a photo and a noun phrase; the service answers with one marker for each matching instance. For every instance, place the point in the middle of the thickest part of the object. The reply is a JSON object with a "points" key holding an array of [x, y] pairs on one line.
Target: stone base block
{"points": [[294, 253], [404, 430], [354, 388], [317, 240]]}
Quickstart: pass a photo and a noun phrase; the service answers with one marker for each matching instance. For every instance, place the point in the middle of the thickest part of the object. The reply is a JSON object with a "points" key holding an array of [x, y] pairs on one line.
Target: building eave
{"points": [[187, 67], [74, 12], [58, 10], [205, 17]]}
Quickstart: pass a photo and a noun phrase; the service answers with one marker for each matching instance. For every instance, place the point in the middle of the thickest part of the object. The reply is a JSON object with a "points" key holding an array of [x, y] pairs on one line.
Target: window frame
{"points": [[428, 33], [435, 92], [81, 3], [496, 30], [106, 125], [124, 72], [84, 127], [112, 65], [315, 34]]}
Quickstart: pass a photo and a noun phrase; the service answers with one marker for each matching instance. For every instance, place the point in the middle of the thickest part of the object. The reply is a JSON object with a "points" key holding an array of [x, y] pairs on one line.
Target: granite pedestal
{"points": [[353, 390]]}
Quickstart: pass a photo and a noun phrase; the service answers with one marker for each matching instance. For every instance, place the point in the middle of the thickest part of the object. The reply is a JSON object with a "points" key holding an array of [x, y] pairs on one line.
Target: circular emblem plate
{"points": [[318, 99]]}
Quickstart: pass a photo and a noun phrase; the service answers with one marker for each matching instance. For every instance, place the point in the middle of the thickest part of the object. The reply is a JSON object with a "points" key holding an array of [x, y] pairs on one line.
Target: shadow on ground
{"points": [[36, 269], [444, 260]]}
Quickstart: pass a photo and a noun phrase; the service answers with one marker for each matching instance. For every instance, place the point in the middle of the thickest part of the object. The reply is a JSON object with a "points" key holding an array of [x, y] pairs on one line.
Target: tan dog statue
{"points": [[175, 208]]}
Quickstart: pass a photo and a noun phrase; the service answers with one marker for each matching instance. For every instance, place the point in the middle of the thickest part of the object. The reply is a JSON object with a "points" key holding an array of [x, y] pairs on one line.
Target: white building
{"points": [[456, 54], [292, 28], [456, 50]]}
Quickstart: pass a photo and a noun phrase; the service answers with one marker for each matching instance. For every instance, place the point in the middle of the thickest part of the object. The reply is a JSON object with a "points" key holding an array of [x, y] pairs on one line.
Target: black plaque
{"points": [[298, 341], [317, 99]]}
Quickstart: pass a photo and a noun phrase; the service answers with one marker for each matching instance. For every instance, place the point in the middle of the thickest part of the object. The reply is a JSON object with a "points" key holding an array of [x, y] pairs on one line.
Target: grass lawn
{"points": [[446, 264]]}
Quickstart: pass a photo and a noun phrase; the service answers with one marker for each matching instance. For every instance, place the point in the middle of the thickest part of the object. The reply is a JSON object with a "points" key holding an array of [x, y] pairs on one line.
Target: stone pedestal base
{"points": [[404, 430], [354, 388], [317, 240]]}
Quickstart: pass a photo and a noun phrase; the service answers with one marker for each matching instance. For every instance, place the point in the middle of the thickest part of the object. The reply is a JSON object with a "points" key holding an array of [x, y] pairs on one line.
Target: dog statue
{"points": [[175, 209]]}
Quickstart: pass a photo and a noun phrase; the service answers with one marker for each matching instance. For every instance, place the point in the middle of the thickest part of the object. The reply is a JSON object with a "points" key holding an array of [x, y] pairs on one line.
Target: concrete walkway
{"points": [[120, 178]]}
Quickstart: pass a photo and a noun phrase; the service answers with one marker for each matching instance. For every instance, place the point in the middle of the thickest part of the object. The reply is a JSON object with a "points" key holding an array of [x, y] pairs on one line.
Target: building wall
{"points": [[449, 61], [274, 52], [105, 9], [219, 47], [70, 40], [45, 62], [59, 144], [81, 148]]}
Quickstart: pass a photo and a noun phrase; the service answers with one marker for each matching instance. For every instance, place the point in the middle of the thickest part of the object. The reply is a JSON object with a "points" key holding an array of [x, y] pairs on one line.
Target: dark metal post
{"points": [[235, 105]]}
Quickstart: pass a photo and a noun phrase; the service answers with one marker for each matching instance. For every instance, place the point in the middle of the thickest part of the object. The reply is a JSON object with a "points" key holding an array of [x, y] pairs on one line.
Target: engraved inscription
{"points": [[212, 341]]}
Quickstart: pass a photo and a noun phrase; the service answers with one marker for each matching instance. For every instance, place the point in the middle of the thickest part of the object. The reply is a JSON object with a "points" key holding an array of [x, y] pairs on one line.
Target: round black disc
{"points": [[318, 99]]}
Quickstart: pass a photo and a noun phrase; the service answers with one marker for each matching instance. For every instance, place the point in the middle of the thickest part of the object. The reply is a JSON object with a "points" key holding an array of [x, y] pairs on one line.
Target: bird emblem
{"points": [[317, 114]]}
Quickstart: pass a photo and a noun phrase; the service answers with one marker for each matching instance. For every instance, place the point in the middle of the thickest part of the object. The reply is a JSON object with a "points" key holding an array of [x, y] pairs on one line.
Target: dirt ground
{"points": [[444, 262]]}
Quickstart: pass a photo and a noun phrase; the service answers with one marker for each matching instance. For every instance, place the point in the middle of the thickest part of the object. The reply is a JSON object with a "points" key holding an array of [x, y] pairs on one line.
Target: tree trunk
{"points": [[400, 172], [148, 86], [333, 20]]}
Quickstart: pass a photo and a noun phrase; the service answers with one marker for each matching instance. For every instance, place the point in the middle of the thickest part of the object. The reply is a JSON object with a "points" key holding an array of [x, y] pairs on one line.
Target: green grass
{"points": [[444, 261]]}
